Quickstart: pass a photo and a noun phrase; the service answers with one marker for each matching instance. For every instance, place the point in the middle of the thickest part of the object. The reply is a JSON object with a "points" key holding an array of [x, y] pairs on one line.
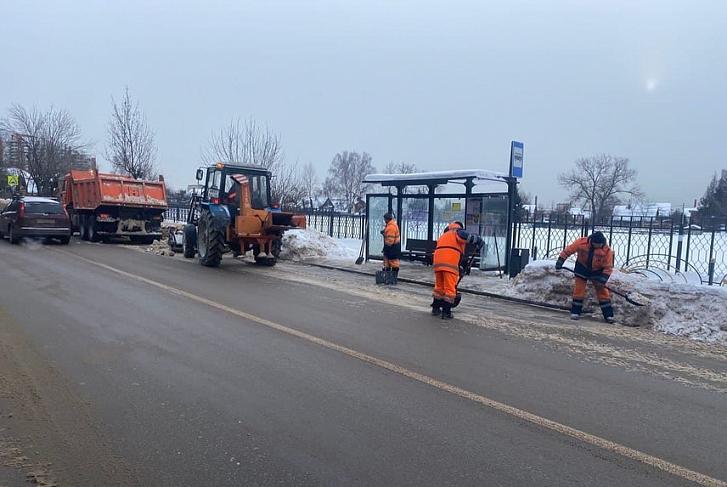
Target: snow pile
{"points": [[160, 248], [311, 244], [3, 203], [696, 312]]}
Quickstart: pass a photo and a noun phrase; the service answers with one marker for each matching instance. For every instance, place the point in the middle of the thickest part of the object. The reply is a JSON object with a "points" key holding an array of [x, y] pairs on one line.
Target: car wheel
{"points": [[65, 240], [14, 239]]}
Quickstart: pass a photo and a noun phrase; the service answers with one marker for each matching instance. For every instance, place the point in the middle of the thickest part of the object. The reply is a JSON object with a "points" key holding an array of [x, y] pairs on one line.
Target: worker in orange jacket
{"points": [[449, 257], [594, 262], [392, 244]]}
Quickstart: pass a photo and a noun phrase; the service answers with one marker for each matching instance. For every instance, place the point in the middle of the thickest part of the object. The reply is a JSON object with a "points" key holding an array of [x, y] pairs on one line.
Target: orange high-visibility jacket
{"points": [[601, 261], [391, 233], [450, 249]]}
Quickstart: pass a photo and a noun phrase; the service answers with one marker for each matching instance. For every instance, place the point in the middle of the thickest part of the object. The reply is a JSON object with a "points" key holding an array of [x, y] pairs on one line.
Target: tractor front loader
{"points": [[234, 214]]}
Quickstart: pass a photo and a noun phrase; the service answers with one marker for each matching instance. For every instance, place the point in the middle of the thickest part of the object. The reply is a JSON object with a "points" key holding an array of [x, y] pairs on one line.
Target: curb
{"points": [[487, 294]]}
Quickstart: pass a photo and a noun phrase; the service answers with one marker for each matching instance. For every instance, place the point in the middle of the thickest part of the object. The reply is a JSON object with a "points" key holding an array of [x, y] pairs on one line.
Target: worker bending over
{"points": [[594, 262], [449, 261]]}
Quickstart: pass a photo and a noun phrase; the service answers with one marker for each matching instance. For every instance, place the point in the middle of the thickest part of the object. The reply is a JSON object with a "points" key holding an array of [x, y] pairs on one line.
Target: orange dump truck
{"points": [[110, 205]]}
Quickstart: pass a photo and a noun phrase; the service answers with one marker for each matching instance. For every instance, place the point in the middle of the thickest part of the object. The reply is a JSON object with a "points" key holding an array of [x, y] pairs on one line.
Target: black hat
{"points": [[597, 238], [388, 216]]}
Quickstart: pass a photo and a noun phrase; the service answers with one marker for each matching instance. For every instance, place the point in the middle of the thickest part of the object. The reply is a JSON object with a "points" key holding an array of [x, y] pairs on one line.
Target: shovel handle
{"points": [[623, 295]]}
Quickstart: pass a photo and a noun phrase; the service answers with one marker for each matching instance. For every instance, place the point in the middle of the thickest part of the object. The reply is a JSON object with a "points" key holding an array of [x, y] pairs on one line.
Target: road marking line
{"points": [[521, 414]]}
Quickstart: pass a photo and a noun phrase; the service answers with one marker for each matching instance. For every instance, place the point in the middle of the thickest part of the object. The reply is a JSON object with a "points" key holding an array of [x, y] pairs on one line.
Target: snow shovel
{"points": [[467, 267], [360, 259], [623, 295]]}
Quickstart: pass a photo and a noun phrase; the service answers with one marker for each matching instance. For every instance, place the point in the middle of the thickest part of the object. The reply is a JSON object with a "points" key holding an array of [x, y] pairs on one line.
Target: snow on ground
{"points": [[696, 312], [312, 244], [160, 247]]}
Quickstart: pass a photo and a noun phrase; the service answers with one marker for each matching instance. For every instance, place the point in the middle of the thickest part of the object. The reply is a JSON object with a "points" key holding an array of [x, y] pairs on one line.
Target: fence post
{"points": [[671, 244], [680, 241], [711, 258], [648, 244], [610, 233], [689, 241], [547, 241], [628, 242], [565, 233], [330, 223], [532, 238]]}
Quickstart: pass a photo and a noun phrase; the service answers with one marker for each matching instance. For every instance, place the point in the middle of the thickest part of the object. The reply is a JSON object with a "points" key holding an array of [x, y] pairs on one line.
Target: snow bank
{"points": [[696, 312], [311, 244]]}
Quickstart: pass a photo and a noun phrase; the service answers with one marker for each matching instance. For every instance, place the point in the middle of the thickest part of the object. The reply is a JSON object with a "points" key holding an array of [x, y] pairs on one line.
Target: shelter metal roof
{"points": [[435, 177]]}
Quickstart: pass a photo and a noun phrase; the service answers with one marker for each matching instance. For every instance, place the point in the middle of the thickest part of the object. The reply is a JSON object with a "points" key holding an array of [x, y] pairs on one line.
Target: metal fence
{"points": [[693, 249], [333, 223]]}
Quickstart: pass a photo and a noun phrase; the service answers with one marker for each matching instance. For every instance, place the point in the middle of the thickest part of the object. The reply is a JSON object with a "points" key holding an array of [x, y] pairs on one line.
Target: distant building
{"points": [[576, 211], [648, 210], [16, 154]]}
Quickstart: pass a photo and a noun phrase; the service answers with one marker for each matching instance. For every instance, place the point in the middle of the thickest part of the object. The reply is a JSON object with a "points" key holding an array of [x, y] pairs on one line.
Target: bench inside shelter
{"points": [[419, 249]]}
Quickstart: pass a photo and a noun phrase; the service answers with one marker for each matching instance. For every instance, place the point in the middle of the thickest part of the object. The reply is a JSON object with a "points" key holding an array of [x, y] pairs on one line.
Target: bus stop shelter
{"points": [[424, 205]]}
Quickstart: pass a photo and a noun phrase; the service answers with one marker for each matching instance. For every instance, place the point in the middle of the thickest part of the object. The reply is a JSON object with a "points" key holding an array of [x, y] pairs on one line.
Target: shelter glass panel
{"points": [[447, 210], [493, 230], [378, 206], [413, 224]]}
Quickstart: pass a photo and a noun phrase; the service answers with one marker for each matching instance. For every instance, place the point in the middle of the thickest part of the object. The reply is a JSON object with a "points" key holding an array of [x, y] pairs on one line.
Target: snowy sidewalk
{"points": [[477, 281], [692, 311]]}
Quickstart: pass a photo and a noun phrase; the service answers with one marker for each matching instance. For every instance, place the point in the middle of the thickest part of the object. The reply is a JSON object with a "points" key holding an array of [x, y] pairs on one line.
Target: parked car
{"points": [[36, 217]]}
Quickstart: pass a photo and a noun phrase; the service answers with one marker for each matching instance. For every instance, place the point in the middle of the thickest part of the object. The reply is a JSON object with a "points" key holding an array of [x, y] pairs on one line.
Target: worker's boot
{"points": [[576, 309], [436, 307], [607, 311], [446, 311]]}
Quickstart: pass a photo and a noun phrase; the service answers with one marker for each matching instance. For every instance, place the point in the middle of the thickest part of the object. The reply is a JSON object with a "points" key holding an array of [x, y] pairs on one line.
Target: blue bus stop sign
{"points": [[516, 159]]}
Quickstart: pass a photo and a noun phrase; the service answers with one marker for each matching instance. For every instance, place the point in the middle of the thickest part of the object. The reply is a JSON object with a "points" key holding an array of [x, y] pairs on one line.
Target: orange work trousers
{"points": [[445, 286], [579, 290], [391, 263]]}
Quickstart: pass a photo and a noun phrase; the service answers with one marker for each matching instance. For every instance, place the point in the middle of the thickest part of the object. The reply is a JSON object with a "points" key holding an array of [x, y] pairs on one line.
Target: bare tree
{"points": [[130, 144], [345, 177], [250, 144], [309, 182], [400, 168], [244, 142], [600, 182], [51, 143]]}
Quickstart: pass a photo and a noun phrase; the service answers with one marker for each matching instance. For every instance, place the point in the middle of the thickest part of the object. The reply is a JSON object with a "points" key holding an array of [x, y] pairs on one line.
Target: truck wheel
{"points": [[65, 240], [82, 231], [189, 241], [91, 230], [210, 241]]}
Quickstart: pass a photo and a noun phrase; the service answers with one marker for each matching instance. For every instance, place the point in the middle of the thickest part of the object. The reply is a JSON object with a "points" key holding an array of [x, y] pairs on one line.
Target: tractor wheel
{"points": [[275, 247], [210, 241], [189, 241]]}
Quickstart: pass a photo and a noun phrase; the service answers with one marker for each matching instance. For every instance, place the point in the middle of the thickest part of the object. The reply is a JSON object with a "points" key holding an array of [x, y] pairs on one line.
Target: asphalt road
{"points": [[119, 367]]}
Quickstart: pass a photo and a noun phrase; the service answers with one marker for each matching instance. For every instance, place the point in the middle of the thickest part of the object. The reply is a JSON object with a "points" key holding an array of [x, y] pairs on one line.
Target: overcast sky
{"points": [[446, 85]]}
